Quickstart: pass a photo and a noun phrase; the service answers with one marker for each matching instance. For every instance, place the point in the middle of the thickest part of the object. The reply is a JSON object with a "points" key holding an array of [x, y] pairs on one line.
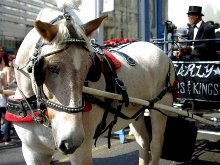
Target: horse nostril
{"points": [[67, 148]]}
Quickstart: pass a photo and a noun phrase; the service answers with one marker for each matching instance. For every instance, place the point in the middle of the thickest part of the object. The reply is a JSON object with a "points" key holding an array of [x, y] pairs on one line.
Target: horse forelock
{"points": [[64, 33], [81, 34]]}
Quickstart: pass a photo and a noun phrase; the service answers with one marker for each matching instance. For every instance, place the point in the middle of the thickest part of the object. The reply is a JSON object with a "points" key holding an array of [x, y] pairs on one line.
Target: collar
{"points": [[199, 24]]}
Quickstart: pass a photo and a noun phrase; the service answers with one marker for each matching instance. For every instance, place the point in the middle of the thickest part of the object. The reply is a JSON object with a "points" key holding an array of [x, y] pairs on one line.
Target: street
{"points": [[207, 152], [62, 51]]}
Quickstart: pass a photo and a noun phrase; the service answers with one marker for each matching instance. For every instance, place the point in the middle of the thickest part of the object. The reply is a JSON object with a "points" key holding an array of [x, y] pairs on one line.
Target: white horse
{"points": [[62, 74]]}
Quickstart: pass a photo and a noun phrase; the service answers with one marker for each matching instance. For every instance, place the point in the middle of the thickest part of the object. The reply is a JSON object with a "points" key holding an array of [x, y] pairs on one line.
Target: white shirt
{"points": [[196, 29]]}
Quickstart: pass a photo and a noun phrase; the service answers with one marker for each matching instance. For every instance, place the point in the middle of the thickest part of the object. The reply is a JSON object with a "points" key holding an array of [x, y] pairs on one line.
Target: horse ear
{"points": [[46, 30], [91, 26]]}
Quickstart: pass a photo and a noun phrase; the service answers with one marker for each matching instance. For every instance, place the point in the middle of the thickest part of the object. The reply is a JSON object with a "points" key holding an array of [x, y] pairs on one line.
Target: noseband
{"points": [[36, 70]]}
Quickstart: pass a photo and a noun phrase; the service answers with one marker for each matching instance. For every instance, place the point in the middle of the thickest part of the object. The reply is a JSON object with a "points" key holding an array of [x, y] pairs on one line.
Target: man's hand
{"points": [[183, 50], [177, 54]]}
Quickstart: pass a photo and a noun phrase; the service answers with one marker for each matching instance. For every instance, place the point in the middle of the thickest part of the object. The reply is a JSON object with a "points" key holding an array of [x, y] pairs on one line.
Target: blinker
{"points": [[37, 70]]}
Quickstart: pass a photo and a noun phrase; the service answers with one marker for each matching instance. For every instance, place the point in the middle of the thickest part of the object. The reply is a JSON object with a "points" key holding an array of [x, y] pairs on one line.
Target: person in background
{"points": [[180, 37], [202, 50], [210, 23], [5, 136], [9, 71]]}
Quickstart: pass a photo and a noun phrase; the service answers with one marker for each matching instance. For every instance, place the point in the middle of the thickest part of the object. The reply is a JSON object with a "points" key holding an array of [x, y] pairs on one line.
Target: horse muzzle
{"points": [[67, 147], [68, 131]]}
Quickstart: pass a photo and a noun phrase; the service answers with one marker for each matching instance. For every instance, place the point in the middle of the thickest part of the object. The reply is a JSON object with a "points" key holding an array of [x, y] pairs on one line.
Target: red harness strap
{"points": [[88, 107], [14, 118], [115, 61]]}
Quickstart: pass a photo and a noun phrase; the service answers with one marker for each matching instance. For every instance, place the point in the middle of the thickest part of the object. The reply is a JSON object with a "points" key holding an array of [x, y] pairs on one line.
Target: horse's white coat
{"points": [[75, 131]]}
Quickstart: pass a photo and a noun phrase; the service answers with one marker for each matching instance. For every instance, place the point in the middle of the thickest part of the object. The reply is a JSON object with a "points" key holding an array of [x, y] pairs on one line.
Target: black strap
{"points": [[110, 87], [22, 107], [57, 19], [115, 111], [112, 83], [102, 127], [119, 85], [111, 125], [129, 60]]}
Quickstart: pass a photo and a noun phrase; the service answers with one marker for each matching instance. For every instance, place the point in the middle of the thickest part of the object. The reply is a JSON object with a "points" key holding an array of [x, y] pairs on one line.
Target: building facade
{"points": [[16, 19], [136, 19]]}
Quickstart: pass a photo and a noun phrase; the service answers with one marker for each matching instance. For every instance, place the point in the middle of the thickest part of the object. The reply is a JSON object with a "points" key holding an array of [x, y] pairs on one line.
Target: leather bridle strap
{"points": [[42, 101]]}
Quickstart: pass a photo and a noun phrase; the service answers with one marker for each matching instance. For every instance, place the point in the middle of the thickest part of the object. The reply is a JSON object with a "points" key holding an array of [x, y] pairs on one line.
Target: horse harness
{"points": [[39, 102], [114, 84]]}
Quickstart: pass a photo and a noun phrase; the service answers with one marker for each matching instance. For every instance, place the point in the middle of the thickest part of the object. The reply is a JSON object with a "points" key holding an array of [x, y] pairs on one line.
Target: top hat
{"points": [[195, 10]]}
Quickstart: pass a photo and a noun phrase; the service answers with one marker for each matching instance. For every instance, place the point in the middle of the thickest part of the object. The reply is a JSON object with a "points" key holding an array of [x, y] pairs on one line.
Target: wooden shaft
{"points": [[114, 96], [7, 92], [145, 103]]}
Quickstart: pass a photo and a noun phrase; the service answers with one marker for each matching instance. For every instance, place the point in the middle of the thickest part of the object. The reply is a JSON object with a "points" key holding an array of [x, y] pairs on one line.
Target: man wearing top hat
{"points": [[205, 50]]}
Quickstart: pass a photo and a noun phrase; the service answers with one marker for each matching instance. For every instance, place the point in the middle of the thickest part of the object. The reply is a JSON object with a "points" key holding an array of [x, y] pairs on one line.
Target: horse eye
{"points": [[54, 69]]}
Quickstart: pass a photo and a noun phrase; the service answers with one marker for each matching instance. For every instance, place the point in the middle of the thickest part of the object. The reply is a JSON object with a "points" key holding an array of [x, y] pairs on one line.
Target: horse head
{"points": [[61, 62]]}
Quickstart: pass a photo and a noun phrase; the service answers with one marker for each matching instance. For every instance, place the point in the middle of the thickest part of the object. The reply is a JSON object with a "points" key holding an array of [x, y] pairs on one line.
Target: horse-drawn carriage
{"points": [[198, 80], [198, 86], [198, 94], [54, 64]]}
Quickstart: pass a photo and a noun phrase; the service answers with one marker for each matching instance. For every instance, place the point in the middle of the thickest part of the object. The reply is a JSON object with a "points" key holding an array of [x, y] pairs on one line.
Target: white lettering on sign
{"points": [[193, 88], [195, 70], [199, 80]]}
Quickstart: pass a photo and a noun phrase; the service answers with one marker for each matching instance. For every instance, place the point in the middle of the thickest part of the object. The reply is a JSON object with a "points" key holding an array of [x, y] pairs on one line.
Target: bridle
{"points": [[36, 71]]}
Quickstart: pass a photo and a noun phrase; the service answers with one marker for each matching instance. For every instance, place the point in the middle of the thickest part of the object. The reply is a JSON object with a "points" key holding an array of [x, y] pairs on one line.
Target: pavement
{"points": [[207, 151]]}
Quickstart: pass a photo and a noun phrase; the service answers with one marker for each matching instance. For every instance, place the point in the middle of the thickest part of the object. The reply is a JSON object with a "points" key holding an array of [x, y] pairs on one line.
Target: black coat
{"points": [[204, 51]]}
